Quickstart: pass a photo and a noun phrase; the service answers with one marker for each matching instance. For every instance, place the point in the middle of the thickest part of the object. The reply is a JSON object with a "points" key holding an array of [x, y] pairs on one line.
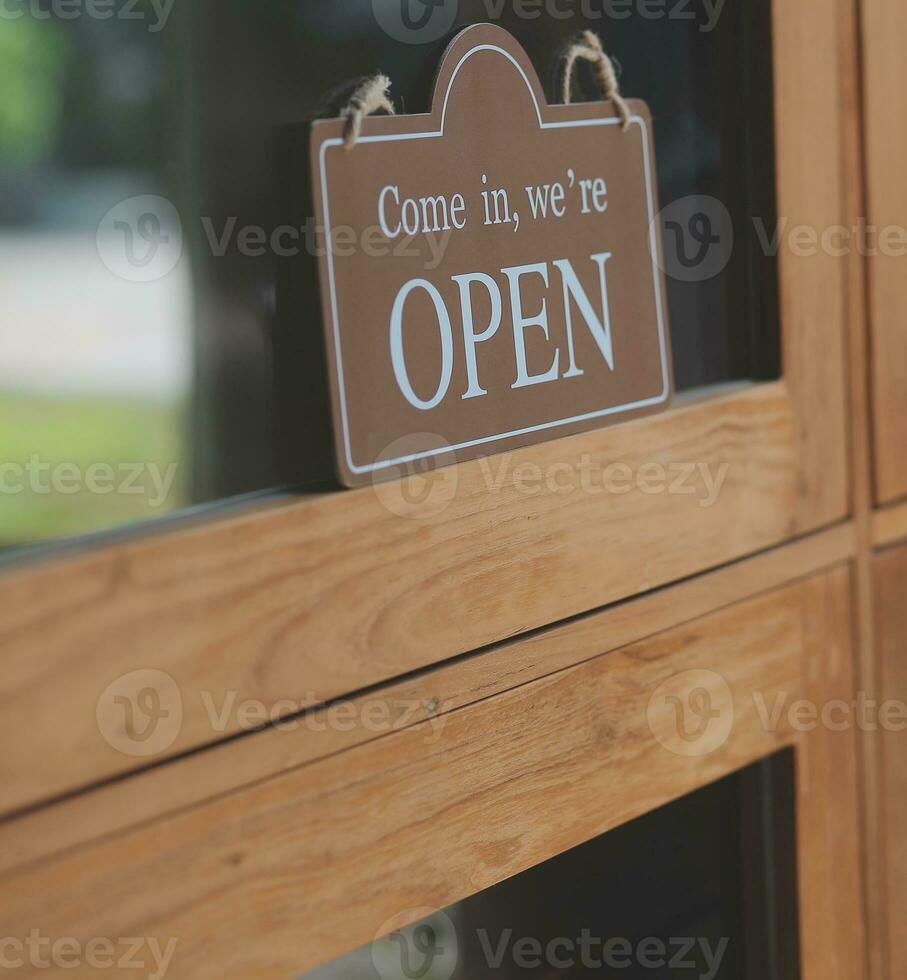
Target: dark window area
{"points": [[702, 888], [144, 331]]}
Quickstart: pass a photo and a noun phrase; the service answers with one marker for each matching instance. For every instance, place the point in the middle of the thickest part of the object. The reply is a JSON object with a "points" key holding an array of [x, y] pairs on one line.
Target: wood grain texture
{"points": [[862, 483], [885, 73], [329, 595], [891, 626], [228, 767], [315, 600], [281, 876], [890, 525], [810, 77], [829, 853]]}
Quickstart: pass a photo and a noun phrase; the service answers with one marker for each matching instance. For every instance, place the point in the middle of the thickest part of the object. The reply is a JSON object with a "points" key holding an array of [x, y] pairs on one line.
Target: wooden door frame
{"points": [[884, 24], [339, 592], [281, 874], [889, 571], [506, 739]]}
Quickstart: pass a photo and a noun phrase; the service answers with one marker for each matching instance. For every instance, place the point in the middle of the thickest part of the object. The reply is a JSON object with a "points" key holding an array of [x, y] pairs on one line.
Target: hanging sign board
{"points": [[493, 277]]}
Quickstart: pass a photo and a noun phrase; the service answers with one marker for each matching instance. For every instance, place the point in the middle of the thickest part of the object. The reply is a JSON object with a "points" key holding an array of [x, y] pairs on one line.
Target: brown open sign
{"points": [[493, 275]]}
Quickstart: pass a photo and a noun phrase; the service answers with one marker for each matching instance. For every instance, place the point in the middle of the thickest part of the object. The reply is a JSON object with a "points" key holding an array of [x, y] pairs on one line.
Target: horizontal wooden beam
{"points": [[316, 599], [427, 697], [890, 525]]}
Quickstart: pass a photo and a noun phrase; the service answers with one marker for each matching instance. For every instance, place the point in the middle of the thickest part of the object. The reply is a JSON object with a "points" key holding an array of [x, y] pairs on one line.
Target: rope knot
{"points": [[588, 47], [372, 96]]}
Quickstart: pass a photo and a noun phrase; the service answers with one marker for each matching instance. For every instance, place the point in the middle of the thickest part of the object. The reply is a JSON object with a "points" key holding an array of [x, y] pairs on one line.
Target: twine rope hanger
{"points": [[373, 95], [588, 47]]}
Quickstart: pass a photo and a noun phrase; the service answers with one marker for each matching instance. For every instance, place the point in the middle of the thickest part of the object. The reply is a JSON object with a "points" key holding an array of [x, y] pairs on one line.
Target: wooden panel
{"points": [[811, 141], [294, 871], [863, 489], [832, 915], [230, 766], [891, 626], [885, 31], [333, 594]]}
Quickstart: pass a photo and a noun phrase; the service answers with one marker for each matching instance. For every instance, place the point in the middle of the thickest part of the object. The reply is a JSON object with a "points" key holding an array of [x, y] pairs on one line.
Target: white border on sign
{"points": [[653, 248]]}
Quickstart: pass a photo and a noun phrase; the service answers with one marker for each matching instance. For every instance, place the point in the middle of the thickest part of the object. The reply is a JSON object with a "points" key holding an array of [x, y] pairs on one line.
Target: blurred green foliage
{"points": [[33, 58], [81, 432]]}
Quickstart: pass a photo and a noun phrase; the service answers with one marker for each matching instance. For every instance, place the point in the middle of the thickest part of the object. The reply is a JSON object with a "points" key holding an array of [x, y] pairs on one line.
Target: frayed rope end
{"points": [[588, 47], [372, 96]]}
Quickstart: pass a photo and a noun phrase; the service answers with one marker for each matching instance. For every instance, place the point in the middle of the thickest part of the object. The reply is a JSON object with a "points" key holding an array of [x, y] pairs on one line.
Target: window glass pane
{"points": [[137, 330]]}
